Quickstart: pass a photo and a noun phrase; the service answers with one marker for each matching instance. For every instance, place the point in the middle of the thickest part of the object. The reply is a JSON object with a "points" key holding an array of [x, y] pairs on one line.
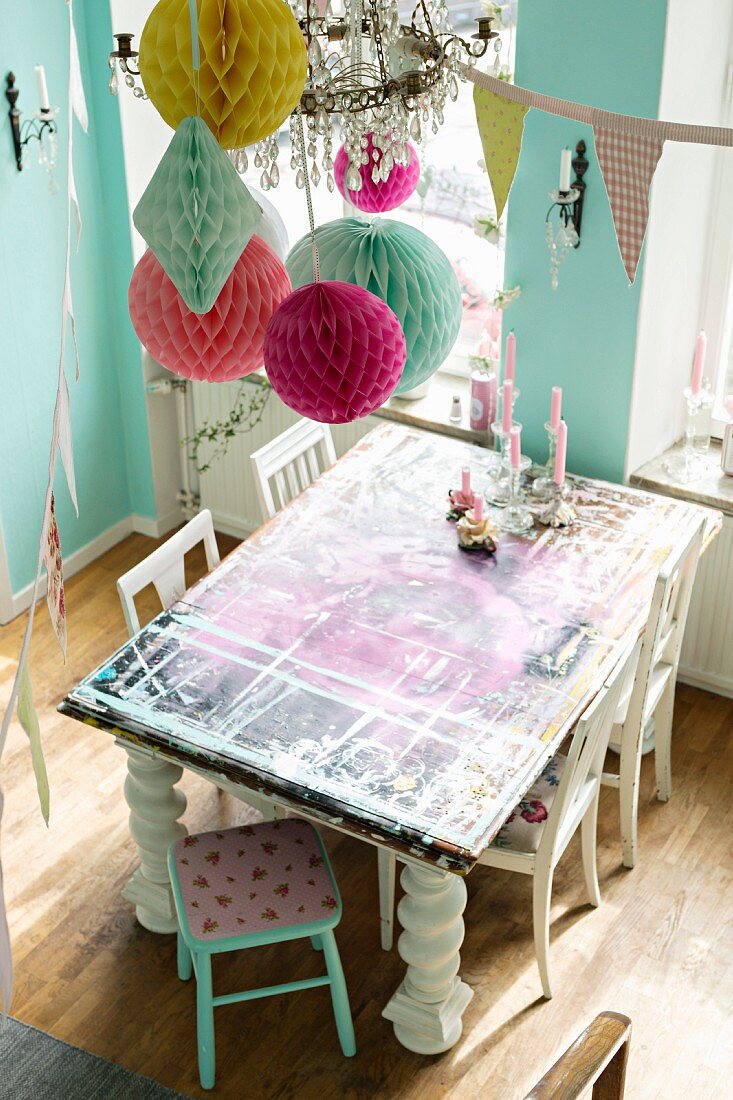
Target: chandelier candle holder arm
{"points": [[41, 124]]}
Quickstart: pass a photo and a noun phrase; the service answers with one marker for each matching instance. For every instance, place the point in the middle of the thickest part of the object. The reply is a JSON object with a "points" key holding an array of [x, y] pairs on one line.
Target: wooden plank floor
{"points": [[659, 949]]}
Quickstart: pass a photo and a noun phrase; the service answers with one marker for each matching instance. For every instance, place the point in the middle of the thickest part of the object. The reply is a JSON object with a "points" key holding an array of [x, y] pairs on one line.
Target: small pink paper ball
{"points": [[375, 198], [334, 352], [218, 346]]}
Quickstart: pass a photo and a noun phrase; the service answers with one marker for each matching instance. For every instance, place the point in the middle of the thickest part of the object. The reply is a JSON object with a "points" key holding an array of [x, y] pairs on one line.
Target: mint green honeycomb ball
{"points": [[401, 266]]}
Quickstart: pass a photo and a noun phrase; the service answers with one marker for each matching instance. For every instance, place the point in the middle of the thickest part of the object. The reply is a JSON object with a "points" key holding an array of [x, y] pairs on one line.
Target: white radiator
{"points": [[707, 651], [227, 489]]}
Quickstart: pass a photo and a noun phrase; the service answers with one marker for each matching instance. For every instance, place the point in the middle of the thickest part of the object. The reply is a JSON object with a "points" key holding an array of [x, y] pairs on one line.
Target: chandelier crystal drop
{"points": [[368, 71]]}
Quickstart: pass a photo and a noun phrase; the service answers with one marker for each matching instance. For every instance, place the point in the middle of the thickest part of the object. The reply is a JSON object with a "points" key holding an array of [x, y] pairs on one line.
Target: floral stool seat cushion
{"points": [[251, 878], [522, 830]]}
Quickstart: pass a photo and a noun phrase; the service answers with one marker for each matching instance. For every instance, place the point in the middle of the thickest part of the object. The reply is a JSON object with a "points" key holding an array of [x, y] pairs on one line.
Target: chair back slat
{"points": [[584, 763], [662, 640], [165, 567], [293, 460]]}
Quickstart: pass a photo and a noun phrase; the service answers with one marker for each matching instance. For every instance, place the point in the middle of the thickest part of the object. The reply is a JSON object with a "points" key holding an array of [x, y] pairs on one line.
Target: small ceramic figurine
{"points": [[559, 511], [475, 530]]}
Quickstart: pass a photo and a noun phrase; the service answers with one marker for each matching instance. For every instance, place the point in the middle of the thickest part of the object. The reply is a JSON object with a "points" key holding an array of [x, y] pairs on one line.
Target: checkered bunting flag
{"points": [[628, 163]]}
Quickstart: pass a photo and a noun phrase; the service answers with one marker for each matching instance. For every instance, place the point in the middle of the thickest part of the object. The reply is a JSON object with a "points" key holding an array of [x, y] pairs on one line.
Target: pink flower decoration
{"points": [[189, 841], [212, 857], [209, 925], [269, 914], [329, 902], [223, 899], [201, 881], [537, 813], [374, 198], [258, 873], [315, 861]]}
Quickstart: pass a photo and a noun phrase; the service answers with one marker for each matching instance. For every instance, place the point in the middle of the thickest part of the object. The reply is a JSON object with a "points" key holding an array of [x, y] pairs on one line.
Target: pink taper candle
{"points": [[555, 407], [699, 364], [515, 447], [507, 400], [511, 356], [478, 507], [466, 481], [561, 453]]}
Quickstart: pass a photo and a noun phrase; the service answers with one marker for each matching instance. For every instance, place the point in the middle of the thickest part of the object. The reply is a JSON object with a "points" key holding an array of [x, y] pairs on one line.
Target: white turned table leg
{"points": [[155, 806], [427, 1008]]}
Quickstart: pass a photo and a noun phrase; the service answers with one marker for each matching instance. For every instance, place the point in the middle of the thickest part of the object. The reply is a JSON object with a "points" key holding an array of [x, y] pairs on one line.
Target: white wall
{"points": [[696, 60], [145, 137]]}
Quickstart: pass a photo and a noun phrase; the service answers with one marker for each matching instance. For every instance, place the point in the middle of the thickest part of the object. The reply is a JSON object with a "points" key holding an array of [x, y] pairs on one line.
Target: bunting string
{"points": [[49, 553], [651, 128]]}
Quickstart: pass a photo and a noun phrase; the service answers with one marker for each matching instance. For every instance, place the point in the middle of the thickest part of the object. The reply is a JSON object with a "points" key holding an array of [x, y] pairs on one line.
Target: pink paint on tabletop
{"points": [[698, 365], [507, 400], [561, 453], [555, 407], [510, 364], [478, 507], [515, 445]]}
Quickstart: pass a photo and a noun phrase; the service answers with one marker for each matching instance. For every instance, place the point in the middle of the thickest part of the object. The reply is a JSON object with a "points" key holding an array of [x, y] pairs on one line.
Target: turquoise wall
{"points": [[112, 454], [582, 336]]}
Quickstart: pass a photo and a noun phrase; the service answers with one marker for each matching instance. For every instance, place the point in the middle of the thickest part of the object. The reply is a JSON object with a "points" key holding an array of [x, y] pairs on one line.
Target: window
{"points": [[454, 190]]}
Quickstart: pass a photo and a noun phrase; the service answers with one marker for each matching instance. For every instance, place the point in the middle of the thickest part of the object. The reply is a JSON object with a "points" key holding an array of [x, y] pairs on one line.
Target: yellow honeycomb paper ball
{"points": [[253, 66]]}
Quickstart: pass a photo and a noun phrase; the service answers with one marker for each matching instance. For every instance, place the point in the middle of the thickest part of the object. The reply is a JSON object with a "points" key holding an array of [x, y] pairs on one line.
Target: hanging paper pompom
{"points": [[334, 352], [384, 194], [196, 215], [224, 343], [403, 267], [253, 66], [271, 227]]}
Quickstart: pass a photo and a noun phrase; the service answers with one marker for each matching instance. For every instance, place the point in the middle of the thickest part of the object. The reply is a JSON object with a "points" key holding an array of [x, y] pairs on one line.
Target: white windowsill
{"points": [[432, 412], [713, 489]]}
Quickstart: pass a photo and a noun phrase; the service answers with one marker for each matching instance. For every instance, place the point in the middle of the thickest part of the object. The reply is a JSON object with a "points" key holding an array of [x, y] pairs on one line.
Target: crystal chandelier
{"points": [[367, 70]]}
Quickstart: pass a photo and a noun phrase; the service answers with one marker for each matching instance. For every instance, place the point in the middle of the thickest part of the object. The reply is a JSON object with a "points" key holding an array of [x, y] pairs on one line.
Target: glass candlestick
{"points": [[516, 517], [543, 483], [689, 463], [497, 491]]}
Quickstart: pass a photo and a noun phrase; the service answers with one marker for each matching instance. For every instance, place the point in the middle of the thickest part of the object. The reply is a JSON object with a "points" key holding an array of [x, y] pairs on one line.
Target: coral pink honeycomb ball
{"points": [[375, 198], [223, 344], [334, 352]]}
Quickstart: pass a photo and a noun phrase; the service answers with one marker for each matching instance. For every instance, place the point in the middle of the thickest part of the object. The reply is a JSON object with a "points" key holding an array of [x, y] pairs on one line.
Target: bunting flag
{"points": [[49, 552], [500, 125], [628, 149], [628, 165], [55, 576]]}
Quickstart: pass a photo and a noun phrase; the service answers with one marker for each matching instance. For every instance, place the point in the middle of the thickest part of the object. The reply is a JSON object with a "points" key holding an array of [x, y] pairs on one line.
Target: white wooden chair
{"points": [[565, 797], [292, 461], [651, 696], [164, 568]]}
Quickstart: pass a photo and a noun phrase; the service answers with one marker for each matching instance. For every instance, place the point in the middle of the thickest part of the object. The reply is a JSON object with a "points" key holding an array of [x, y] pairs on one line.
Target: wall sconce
{"points": [[124, 55], [41, 127], [568, 201]]}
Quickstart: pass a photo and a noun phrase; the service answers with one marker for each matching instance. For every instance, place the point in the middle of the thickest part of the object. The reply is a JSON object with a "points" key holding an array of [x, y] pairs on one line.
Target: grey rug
{"points": [[35, 1066]]}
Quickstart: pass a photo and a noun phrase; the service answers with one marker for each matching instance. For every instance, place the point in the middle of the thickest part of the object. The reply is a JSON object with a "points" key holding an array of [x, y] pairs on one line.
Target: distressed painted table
{"points": [[350, 662]]}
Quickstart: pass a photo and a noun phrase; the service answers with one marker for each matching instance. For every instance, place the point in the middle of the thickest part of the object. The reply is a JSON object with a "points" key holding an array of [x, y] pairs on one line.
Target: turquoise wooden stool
{"points": [[249, 886]]}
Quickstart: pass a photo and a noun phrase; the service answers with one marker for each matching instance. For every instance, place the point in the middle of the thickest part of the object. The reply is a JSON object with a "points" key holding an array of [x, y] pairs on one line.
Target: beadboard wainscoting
{"points": [[707, 651], [228, 488]]}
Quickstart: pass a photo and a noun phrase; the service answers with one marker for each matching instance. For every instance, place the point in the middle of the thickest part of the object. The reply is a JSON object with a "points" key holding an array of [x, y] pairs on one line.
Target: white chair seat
{"points": [[522, 831]]}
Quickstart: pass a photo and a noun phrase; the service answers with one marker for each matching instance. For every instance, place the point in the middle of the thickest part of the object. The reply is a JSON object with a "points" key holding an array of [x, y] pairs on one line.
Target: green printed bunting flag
{"points": [[500, 125]]}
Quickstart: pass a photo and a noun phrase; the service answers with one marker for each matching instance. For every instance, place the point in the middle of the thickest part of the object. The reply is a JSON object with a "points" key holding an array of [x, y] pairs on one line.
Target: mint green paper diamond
{"points": [[196, 215]]}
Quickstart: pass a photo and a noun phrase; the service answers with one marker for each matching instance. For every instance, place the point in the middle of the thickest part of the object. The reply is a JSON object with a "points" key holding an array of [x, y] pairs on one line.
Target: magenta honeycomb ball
{"points": [[375, 198], [334, 352], [223, 344]]}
